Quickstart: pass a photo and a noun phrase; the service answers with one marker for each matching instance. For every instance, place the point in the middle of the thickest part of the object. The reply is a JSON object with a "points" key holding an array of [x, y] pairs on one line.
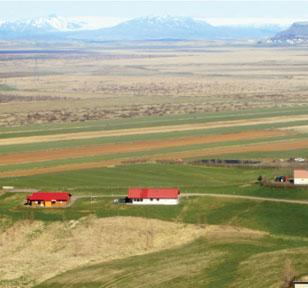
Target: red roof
{"points": [[162, 193], [49, 196], [300, 174]]}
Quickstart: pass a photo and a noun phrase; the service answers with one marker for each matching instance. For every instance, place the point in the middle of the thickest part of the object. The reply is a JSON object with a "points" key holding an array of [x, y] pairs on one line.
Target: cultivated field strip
{"points": [[121, 146], [150, 130], [78, 152], [276, 146]]}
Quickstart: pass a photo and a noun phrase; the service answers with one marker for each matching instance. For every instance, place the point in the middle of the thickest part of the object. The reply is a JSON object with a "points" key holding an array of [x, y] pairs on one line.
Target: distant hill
{"points": [[155, 28], [295, 34], [143, 28], [42, 27]]}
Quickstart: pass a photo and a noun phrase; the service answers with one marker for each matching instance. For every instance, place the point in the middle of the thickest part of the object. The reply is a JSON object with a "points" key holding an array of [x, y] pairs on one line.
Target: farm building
{"points": [[300, 177], [49, 199], [153, 196]]}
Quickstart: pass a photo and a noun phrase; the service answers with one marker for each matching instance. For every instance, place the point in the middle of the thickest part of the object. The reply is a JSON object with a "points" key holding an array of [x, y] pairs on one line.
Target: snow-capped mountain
{"points": [[143, 28], [297, 33], [153, 28], [42, 25]]}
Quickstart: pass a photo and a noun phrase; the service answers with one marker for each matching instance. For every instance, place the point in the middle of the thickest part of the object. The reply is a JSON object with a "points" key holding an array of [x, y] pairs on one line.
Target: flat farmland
{"points": [[103, 81], [35, 151]]}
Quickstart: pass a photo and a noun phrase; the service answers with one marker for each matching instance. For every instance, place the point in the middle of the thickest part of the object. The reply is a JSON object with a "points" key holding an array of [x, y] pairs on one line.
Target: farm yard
{"points": [[227, 231]]}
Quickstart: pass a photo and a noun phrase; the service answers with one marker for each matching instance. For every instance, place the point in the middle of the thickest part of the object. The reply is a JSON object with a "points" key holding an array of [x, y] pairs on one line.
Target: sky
{"points": [[217, 12]]}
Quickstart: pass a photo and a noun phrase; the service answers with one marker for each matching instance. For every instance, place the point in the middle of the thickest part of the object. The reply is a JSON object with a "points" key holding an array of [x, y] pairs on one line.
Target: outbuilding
{"points": [[300, 177], [49, 199], [153, 196]]}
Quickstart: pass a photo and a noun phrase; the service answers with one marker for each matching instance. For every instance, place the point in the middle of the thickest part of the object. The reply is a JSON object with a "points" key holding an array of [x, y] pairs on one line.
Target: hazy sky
{"points": [[298, 10]]}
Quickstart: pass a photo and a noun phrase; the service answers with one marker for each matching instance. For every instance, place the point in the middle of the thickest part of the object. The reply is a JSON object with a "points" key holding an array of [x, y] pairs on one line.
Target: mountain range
{"points": [[295, 34], [143, 28]]}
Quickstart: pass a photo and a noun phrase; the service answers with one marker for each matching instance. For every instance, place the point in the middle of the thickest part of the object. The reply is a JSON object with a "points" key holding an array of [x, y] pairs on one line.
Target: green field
{"points": [[239, 259]]}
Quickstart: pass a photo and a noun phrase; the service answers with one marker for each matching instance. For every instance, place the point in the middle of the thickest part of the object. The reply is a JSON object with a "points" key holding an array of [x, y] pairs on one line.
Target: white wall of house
{"points": [[301, 181], [301, 285], [156, 202]]}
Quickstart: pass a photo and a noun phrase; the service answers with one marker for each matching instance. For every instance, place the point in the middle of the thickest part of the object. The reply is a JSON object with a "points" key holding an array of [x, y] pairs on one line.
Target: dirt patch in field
{"points": [[90, 240], [149, 130], [225, 232], [300, 129], [62, 168], [108, 149]]}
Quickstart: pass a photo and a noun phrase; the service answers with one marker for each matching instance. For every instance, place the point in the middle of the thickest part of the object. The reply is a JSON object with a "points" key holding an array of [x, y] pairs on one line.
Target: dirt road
{"points": [[228, 196], [245, 197]]}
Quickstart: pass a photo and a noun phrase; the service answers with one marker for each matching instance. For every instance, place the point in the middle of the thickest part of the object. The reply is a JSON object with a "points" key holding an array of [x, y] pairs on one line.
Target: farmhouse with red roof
{"points": [[49, 199], [153, 196]]}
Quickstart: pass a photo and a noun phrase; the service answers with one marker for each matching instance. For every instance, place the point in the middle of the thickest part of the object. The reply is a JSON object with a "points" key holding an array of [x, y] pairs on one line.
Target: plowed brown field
{"points": [[260, 147], [76, 152], [276, 146]]}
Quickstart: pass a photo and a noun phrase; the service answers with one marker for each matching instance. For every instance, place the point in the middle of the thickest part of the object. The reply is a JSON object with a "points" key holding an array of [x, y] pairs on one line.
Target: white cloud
{"points": [[91, 22]]}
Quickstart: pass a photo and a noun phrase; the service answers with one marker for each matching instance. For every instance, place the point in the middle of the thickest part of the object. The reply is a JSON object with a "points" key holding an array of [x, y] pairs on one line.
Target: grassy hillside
{"points": [[203, 263], [221, 259]]}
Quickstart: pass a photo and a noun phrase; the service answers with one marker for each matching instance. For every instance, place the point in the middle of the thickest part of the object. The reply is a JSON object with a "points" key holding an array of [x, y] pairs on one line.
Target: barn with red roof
{"points": [[49, 199], [154, 196]]}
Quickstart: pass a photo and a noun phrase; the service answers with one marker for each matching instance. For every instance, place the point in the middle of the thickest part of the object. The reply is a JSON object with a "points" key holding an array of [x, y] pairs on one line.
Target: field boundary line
{"points": [[246, 197]]}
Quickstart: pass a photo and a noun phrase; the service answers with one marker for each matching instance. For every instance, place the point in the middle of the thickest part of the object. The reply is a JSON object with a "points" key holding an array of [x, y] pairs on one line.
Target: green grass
{"points": [[258, 215], [6, 88], [189, 178], [118, 179], [141, 122], [202, 263], [224, 269], [303, 153]]}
